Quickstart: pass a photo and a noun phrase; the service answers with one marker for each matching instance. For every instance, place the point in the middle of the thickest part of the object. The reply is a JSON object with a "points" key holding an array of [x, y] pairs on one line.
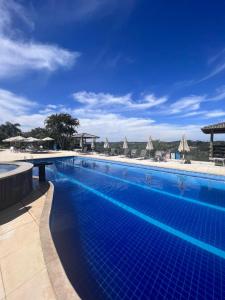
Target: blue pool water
{"points": [[6, 168], [129, 232]]}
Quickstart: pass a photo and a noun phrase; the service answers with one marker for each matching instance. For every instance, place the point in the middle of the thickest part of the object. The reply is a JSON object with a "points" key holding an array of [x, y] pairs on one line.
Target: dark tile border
{"points": [[15, 184], [60, 283]]}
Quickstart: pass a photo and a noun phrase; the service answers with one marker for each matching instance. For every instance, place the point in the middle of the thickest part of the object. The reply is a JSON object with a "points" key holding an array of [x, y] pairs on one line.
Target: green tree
{"points": [[38, 133], [9, 129], [61, 127]]}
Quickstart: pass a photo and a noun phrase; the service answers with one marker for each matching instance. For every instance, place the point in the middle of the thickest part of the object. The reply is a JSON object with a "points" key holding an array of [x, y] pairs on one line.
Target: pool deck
{"points": [[195, 166], [29, 264]]}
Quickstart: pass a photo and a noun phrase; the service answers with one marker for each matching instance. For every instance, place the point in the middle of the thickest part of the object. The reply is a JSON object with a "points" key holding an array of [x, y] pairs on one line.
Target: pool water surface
{"points": [[6, 168], [130, 232]]}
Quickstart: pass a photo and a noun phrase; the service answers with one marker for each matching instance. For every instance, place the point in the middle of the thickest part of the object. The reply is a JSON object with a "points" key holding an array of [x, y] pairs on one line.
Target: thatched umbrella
{"points": [[183, 147]]}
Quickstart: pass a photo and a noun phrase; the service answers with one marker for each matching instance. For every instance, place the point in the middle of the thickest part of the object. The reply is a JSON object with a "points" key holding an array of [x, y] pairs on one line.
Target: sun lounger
{"points": [[219, 161], [107, 152], [127, 152], [143, 154], [85, 150], [133, 153], [158, 156], [113, 152]]}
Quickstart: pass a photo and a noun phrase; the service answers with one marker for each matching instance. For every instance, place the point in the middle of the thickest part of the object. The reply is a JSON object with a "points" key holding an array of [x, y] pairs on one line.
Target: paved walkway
{"points": [[23, 273], [7, 155], [195, 166]]}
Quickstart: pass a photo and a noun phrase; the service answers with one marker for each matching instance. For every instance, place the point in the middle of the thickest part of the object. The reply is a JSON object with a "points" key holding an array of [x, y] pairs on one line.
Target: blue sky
{"points": [[131, 67]]}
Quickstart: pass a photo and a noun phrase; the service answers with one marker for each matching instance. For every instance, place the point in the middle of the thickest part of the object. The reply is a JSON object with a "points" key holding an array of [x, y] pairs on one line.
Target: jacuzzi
{"points": [[15, 182]]}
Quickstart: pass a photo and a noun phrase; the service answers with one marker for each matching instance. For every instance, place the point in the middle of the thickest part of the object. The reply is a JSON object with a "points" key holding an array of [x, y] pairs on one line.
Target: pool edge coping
{"points": [[22, 167], [57, 276]]}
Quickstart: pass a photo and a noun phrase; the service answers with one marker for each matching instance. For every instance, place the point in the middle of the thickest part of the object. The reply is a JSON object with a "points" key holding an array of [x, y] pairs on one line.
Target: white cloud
{"points": [[17, 55], [215, 114], [220, 94], [218, 61], [13, 105], [190, 103], [99, 100], [115, 127], [19, 109], [29, 114], [148, 102]]}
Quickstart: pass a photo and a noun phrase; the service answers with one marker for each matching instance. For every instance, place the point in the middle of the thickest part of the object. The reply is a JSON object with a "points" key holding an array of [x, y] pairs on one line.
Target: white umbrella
{"points": [[47, 139], [31, 140], [149, 145], [93, 144], [14, 139], [106, 144], [125, 144], [81, 142], [183, 147]]}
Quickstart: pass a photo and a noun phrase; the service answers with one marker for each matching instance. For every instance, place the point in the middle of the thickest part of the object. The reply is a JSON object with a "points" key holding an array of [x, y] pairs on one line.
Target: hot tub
{"points": [[15, 182]]}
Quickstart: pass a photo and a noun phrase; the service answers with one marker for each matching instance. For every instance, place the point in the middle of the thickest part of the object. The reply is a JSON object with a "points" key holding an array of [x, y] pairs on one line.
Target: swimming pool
{"points": [[7, 167], [130, 232]]}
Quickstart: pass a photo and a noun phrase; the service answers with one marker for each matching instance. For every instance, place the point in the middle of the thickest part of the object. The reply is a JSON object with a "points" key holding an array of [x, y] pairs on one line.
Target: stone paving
{"points": [[23, 273]]}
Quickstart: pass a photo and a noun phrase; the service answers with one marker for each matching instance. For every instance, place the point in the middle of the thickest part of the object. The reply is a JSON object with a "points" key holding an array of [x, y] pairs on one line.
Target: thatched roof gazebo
{"points": [[83, 137], [215, 151]]}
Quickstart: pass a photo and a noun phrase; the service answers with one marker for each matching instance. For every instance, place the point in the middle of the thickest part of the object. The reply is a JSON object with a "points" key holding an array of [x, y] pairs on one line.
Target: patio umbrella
{"points": [[149, 145], [93, 144], [81, 142], [183, 147], [47, 139], [31, 140], [14, 139], [125, 144], [106, 144]]}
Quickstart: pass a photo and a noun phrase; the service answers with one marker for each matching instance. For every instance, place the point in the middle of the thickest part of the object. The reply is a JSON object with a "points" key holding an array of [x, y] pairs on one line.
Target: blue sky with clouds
{"points": [[131, 67]]}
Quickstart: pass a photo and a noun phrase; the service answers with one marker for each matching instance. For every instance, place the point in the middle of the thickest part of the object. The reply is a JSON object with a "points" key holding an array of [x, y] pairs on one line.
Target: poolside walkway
{"points": [[23, 272], [7, 155], [195, 166]]}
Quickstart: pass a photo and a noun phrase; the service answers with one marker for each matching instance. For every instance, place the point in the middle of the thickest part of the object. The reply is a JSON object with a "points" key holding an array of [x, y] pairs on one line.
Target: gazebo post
{"points": [[211, 145]]}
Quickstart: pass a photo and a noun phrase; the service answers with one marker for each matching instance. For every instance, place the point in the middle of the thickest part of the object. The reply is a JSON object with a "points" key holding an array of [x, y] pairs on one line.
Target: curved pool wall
{"points": [[15, 183]]}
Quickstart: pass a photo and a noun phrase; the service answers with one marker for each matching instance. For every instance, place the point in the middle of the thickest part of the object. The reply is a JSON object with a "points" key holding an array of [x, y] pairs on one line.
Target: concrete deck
{"points": [[195, 166], [7, 155], [29, 263], [23, 272]]}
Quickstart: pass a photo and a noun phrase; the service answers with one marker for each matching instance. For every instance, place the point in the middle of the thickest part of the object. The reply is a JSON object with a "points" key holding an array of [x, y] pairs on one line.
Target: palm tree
{"points": [[9, 129]]}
